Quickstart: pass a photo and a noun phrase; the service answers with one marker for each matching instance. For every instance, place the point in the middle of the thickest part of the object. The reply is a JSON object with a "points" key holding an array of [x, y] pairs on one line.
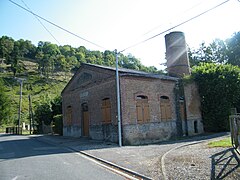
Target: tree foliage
{"points": [[4, 104], [47, 110], [219, 87], [219, 51], [52, 58]]}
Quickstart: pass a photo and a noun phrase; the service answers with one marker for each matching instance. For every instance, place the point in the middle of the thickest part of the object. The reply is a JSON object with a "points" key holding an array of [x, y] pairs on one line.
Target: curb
{"points": [[108, 163], [128, 171]]}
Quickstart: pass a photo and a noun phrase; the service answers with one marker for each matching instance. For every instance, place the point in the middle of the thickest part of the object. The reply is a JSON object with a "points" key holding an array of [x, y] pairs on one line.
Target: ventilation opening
{"points": [[195, 127]]}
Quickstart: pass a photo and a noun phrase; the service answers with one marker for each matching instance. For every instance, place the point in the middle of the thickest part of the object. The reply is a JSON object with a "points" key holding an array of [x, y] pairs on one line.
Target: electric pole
{"points": [[20, 103], [20, 106]]}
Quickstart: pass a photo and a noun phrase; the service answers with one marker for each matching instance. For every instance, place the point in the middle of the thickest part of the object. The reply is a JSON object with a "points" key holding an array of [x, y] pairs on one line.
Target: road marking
{"points": [[15, 178]]}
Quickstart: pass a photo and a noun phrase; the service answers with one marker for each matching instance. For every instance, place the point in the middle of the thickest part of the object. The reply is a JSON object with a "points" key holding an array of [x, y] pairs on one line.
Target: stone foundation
{"points": [[74, 131], [136, 134]]}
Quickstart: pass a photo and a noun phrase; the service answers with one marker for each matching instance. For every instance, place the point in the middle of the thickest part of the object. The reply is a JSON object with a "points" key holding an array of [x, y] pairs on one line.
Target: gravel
{"points": [[201, 162]]}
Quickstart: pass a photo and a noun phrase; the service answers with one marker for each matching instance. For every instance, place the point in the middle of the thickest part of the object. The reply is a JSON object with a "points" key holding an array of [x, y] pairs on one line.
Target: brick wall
{"points": [[156, 129]]}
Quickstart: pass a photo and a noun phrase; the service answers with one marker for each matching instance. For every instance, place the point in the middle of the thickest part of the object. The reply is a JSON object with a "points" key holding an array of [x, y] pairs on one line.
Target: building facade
{"points": [[153, 107]]}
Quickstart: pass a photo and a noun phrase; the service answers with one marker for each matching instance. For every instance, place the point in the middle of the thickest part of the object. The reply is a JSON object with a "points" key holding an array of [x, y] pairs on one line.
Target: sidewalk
{"points": [[145, 160]]}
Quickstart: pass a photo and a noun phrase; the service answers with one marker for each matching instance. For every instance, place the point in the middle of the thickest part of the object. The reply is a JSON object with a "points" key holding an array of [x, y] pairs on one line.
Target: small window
{"points": [[69, 115], [106, 110], [142, 108], [165, 107]]}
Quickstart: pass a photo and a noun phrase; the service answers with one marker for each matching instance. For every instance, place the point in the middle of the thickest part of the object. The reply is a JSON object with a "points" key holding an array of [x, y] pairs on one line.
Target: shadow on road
{"points": [[225, 164], [19, 146]]}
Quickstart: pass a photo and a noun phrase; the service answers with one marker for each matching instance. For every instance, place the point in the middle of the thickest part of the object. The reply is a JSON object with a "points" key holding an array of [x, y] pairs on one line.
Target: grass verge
{"points": [[226, 142]]}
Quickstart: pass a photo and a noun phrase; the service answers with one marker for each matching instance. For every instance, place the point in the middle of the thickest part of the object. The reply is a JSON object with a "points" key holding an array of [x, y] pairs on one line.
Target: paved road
{"points": [[23, 157]]}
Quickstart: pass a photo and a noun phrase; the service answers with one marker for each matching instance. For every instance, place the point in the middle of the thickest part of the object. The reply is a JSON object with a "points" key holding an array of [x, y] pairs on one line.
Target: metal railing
{"points": [[235, 131], [13, 130]]}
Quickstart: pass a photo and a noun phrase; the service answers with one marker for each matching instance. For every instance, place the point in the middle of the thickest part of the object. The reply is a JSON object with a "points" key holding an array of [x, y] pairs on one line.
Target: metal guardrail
{"points": [[235, 131]]}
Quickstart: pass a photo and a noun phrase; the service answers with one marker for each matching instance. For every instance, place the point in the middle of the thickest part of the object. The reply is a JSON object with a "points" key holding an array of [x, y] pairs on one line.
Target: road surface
{"points": [[24, 157]]}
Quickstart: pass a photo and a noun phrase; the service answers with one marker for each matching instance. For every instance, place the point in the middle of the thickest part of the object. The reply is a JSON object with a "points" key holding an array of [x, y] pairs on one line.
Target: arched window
{"points": [[142, 108], [69, 115], [106, 110], [165, 107]]}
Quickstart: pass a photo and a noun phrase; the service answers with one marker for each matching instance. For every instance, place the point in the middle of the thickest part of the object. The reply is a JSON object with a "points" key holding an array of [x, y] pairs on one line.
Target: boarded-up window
{"points": [[106, 110], [165, 107], [69, 115], [142, 108]]}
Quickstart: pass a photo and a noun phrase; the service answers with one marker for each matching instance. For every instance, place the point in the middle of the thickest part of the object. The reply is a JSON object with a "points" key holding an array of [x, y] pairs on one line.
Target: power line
{"points": [[58, 26], [189, 9], [173, 27], [41, 23]]}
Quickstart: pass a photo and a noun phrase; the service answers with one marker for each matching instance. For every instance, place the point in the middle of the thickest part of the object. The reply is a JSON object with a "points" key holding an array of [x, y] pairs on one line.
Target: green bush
{"points": [[219, 87]]}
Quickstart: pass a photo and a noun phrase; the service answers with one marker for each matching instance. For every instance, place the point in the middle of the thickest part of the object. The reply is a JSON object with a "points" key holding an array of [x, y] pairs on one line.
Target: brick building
{"points": [[153, 107]]}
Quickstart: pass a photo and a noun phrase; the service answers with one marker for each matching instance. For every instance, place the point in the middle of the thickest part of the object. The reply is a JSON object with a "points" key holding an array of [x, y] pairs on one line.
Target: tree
{"points": [[219, 87], [47, 54], [47, 110], [4, 104], [6, 46], [219, 51], [43, 113], [14, 59], [234, 49]]}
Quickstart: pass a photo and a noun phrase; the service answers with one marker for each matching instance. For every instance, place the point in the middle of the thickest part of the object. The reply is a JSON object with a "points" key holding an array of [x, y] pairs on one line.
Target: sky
{"points": [[118, 24]]}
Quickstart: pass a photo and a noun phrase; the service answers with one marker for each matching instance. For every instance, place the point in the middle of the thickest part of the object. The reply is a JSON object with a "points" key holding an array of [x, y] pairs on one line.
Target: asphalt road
{"points": [[23, 157]]}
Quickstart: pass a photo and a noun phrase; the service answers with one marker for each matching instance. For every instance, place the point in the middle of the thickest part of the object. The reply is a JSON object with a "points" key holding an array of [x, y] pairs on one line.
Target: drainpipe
{"points": [[185, 107], [118, 103], [177, 107]]}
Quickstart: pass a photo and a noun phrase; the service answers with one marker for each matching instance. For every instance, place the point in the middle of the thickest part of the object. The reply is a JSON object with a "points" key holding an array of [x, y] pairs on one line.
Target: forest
{"points": [[46, 69]]}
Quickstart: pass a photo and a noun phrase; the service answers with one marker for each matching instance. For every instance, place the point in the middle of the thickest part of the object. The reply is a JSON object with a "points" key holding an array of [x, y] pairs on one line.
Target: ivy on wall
{"points": [[219, 89]]}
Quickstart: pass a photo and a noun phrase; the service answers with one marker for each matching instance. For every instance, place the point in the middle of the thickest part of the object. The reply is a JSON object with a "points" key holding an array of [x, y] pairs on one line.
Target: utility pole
{"points": [[29, 88], [20, 105], [30, 112], [118, 103]]}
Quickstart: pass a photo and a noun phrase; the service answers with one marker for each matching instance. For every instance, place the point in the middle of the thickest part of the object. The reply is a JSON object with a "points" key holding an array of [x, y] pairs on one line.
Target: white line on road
{"points": [[15, 178]]}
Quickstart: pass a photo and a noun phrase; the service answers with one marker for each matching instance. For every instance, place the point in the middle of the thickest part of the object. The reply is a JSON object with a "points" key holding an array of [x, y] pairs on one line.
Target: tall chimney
{"points": [[176, 54]]}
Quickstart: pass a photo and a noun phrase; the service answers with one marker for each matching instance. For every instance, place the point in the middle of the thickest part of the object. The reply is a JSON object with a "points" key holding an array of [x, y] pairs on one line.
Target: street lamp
{"points": [[118, 103]]}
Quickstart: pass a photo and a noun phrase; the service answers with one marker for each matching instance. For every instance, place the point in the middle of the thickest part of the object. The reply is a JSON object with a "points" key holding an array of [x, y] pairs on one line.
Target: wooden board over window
{"points": [[106, 110], [142, 108], [165, 107]]}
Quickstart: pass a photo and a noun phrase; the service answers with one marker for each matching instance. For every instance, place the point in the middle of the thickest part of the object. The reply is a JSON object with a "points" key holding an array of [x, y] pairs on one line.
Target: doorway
{"points": [[85, 115]]}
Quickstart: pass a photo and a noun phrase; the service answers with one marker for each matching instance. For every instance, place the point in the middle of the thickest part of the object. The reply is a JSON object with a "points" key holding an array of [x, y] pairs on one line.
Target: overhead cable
{"points": [[41, 23], [156, 27], [58, 26], [173, 27]]}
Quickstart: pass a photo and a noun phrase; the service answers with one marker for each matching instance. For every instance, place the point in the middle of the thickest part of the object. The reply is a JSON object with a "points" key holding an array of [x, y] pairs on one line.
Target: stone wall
{"points": [[73, 130], [193, 108], [135, 134]]}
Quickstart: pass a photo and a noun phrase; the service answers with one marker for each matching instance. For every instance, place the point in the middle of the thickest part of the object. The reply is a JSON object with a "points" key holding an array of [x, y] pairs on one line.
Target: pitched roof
{"points": [[124, 72], [131, 72]]}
